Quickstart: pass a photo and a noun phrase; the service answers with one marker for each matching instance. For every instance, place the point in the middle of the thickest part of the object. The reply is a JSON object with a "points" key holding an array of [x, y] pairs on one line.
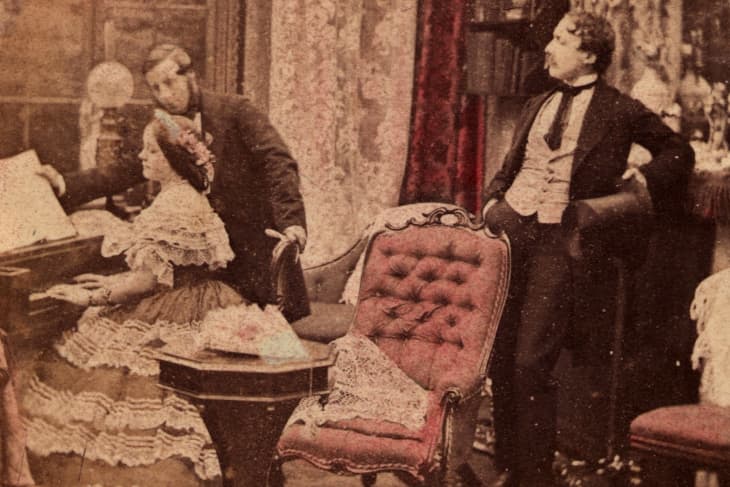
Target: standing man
{"points": [[256, 186], [570, 144]]}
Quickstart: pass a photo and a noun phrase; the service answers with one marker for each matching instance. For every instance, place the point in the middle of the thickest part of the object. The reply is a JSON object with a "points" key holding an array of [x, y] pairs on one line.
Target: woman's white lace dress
{"points": [[95, 394]]}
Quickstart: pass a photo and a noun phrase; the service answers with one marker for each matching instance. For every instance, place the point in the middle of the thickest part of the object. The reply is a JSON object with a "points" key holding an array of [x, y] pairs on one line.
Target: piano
{"points": [[35, 268]]}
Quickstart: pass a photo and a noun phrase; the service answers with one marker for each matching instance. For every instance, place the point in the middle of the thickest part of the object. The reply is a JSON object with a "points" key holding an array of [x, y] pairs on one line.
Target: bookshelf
{"points": [[504, 45], [504, 64], [498, 47], [509, 28]]}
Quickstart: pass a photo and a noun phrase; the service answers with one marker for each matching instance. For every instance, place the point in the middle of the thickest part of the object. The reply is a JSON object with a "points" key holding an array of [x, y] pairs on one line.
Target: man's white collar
{"points": [[583, 80]]}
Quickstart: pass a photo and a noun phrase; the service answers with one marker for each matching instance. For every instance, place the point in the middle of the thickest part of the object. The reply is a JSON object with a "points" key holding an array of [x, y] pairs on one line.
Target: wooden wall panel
{"points": [[50, 48]]}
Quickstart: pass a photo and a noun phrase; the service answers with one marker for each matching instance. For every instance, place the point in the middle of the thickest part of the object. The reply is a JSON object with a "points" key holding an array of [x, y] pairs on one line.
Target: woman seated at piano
{"points": [[94, 396]]}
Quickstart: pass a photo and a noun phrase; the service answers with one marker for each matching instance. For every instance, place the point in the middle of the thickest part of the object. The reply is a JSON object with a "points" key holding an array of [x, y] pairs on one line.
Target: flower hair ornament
{"points": [[191, 142]]}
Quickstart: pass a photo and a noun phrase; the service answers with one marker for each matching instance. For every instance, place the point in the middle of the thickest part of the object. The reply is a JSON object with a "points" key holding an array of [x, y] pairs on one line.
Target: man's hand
{"points": [[636, 183], [488, 207], [298, 234], [53, 177], [634, 173], [293, 234]]}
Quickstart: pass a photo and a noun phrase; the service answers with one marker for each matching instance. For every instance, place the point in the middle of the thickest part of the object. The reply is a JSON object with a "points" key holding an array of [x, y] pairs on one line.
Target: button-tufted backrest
{"points": [[431, 297]]}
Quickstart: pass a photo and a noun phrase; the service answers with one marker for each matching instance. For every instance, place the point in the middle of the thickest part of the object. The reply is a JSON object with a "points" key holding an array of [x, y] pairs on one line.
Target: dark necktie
{"points": [[554, 137]]}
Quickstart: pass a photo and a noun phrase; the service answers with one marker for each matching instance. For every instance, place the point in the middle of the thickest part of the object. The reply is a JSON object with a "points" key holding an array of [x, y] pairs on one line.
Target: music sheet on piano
{"points": [[29, 210]]}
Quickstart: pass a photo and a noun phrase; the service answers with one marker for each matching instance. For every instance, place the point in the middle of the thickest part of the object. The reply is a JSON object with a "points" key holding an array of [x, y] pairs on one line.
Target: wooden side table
{"points": [[245, 401]]}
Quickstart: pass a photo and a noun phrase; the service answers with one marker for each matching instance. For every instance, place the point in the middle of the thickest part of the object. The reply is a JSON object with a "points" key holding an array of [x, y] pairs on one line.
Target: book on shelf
{"points": [[502, 10], [480, 62], [503, 55]]}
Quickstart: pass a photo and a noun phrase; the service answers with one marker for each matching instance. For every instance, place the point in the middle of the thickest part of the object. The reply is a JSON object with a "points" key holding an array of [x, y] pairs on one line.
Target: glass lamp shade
{"points": [[110, 85]]}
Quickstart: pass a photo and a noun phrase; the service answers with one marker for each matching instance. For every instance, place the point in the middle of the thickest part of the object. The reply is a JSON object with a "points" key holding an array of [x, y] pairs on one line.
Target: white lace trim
{"points": [[98, 222], [180, 228], [149, 257], [66, 407], [711, 309], [120, 448], [367, 384], [99, 341]]}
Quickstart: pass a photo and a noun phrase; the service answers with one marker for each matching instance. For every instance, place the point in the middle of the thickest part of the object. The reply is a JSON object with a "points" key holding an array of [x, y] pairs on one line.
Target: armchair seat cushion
{"points": [[327, 322], [385, 429], [698, 432], [338, 446], [340, 450]]}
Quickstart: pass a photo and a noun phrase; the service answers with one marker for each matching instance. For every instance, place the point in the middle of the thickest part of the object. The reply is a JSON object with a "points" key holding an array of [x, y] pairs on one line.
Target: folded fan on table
{"points": [[248, 329]]}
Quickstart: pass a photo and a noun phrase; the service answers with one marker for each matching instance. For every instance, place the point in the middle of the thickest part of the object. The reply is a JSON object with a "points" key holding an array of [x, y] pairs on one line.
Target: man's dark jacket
{"points": [[612, 123], [256, 186]]}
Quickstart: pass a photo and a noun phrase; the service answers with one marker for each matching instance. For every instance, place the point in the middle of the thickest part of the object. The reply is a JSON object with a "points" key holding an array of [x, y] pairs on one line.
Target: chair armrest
{"points": [[458, 423], [620, 224], [325, 282], [452, 396]]}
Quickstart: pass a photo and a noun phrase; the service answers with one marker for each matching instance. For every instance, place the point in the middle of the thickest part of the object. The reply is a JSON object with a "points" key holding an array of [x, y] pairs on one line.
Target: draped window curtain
{"points": [[368, 94], [340, 94], [446, 146]]}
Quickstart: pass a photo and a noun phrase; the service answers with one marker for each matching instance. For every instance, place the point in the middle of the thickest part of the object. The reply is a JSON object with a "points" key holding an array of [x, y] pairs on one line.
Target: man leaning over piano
{"points": [[256, 187]]}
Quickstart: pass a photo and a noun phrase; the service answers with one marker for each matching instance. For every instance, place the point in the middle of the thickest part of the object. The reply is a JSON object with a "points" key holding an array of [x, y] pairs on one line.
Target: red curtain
{"points": [[446, 148]]}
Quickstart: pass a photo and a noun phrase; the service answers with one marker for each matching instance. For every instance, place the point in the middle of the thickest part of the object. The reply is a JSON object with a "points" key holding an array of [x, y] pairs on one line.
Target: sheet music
{"points": [[29, 210]]}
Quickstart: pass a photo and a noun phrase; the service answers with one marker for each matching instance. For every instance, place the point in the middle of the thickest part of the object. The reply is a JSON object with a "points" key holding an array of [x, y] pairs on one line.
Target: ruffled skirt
{"points": [[94, 406]]}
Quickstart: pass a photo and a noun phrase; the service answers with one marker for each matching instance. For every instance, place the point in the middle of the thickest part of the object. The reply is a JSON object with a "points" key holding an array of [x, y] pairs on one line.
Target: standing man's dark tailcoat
{"points": [[613, 121], [573, 312]]}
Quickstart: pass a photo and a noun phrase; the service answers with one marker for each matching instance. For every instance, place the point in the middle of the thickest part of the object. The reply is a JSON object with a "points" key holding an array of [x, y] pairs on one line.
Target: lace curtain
{"points": [[340, 94]]}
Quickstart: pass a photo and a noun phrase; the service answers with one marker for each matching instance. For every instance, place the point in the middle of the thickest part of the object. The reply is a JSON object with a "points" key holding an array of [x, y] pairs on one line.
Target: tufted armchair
{"points": [[431, 298]]}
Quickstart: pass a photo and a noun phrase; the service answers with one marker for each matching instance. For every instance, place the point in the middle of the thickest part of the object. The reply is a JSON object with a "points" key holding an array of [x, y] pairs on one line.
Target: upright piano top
{"points": [[42, 248]]}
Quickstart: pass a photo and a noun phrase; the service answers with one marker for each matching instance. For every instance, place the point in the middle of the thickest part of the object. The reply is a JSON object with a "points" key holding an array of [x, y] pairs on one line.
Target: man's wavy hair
{"points": [[173, 52], [596, 37]]}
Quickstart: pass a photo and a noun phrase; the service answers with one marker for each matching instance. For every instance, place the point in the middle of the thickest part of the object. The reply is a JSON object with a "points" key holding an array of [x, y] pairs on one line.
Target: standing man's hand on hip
{"points": [[486, 209], [636, 183]]}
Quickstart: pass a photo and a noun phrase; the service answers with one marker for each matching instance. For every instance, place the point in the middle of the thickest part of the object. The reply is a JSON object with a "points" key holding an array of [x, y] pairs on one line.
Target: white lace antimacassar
{"points": [[99, 409], [179, 228], [100, 341], [711, 310], [121, 448], [366, 384]]}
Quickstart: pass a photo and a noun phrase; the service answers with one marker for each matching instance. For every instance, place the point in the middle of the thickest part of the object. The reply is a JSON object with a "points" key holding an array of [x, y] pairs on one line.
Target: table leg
{"points": [[245, 435]]}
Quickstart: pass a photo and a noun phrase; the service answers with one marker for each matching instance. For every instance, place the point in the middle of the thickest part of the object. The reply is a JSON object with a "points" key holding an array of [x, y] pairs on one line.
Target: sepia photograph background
{"points": [[386, 103]]}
